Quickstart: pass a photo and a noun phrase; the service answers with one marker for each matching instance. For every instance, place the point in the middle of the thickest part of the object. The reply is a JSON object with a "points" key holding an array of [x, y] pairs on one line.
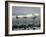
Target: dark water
{"points": [[26, 23]]}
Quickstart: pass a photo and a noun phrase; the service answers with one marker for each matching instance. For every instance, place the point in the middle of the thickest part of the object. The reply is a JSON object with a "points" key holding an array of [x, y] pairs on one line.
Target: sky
{"points": [[16, 10]]}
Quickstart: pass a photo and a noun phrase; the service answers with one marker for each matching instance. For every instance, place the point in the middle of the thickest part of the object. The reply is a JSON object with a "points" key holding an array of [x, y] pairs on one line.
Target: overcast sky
{"points": [[24, 10]]}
